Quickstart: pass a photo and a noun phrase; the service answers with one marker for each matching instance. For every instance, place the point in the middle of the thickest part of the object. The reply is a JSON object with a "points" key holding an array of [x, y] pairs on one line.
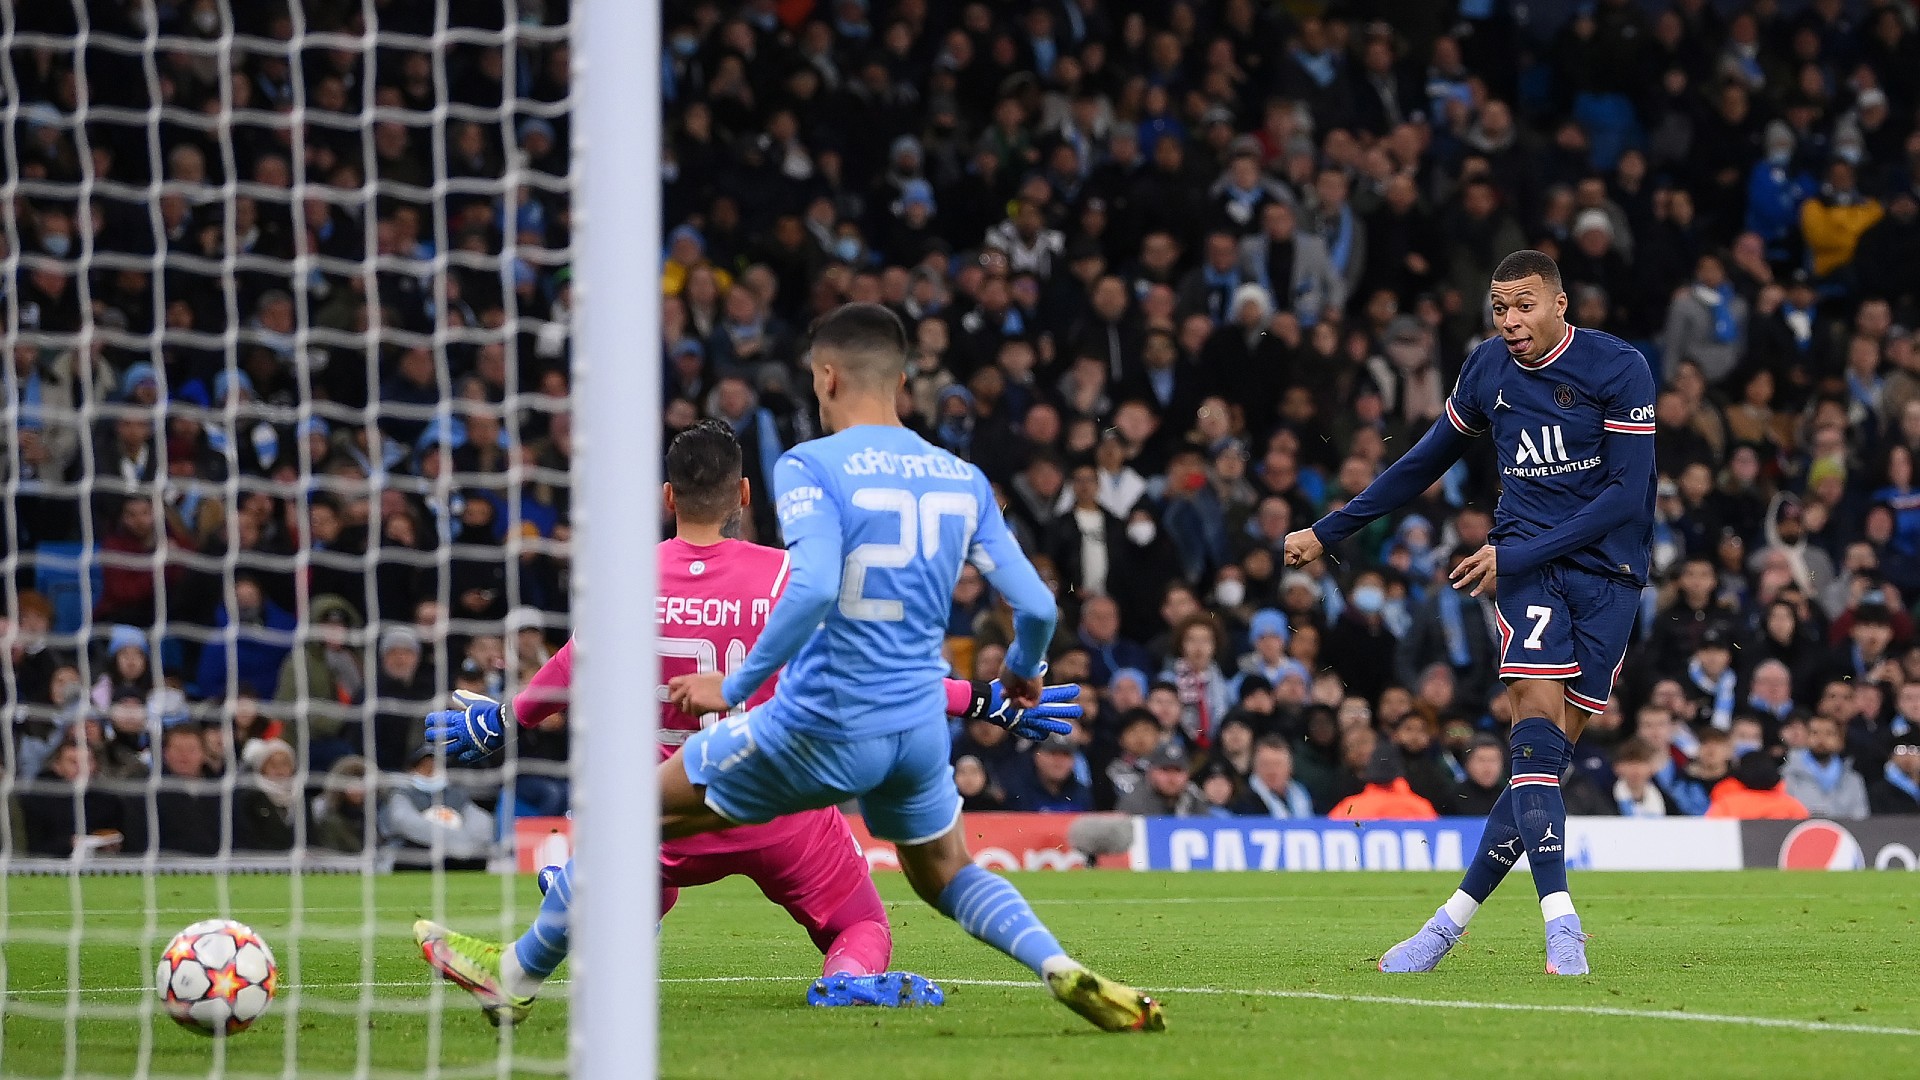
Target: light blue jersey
{"points": [[878, 522]]}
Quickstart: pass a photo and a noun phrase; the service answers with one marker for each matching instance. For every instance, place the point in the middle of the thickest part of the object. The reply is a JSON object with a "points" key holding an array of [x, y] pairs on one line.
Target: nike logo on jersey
{"points": [[1500, 400]]}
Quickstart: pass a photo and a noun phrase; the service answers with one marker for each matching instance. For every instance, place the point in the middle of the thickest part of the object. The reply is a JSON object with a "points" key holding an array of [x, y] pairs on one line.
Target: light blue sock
{"points": [[991, 909], [544, 945]]}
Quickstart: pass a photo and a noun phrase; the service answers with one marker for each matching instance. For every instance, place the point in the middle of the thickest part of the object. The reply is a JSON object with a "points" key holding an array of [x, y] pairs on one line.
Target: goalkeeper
{"points": [[808, 863]]}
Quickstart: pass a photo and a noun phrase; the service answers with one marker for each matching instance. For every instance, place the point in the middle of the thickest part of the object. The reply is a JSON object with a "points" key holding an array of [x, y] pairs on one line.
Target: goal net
{"points": [[288, 437]]}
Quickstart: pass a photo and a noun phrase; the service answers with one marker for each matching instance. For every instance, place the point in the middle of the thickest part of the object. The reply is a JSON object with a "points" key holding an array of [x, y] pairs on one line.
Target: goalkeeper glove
{"points": [[1058, 704], [473, 732]]}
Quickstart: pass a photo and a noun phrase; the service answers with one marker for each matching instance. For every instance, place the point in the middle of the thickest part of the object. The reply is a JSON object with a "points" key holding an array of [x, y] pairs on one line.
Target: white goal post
{"points": [[616, 91]]}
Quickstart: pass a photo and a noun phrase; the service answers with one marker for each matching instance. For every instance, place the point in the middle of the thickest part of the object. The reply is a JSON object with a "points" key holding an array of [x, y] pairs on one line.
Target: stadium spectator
{"points": [[56, 822], [1271, 789], [339, 812], [1486, 769], [404, 689], [188, 807], [1755, 791], [267, 802], [1821, 778], [1167, 790], [1137, 737], [1273, 218], [977, 793], [1634, 792], [1897, 789], [426, 819], [1045, 781], [324, 680], [1386, 794]]}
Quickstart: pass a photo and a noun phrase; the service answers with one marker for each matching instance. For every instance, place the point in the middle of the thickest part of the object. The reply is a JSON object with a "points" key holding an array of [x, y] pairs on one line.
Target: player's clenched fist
{"points": [[1303, 547]]}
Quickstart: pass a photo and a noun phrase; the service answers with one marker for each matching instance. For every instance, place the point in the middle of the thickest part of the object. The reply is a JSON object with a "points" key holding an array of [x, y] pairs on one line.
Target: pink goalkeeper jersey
{"points": [[712, 604]]}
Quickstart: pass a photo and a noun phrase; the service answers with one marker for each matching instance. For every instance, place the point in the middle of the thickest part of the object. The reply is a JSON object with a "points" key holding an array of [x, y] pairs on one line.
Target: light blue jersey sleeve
{"points": [[811, 522], [997, 554]]}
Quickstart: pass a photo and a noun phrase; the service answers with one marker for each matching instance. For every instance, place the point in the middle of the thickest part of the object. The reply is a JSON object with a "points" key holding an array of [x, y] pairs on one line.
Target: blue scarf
{"points": [[1804, 318], [1221, 279], [1246, 197], [1903, 781], [1340, 240], [1045, 52], [1221, 285], [1453, 627], [1864, 392], [770, 448], [1725, 330], [1778, 712], [956, 435], [1319, 66], [1828, 776], [28, 395], [1722, 691], [1291, 803]]}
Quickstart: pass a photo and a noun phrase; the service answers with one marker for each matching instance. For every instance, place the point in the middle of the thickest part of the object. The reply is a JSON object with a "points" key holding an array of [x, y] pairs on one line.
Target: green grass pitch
{"points": [[1756, 973]]}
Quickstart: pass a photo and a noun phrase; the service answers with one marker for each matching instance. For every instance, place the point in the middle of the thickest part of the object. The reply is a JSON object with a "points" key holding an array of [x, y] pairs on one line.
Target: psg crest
{"points": [[1563, 396]]}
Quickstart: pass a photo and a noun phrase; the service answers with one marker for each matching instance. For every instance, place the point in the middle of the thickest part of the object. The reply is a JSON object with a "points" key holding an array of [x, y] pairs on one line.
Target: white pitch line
{"points": [[756, 900], [1782, 1023]]}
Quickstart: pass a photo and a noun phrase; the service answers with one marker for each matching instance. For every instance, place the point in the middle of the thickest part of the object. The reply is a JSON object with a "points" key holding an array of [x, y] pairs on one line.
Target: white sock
{"points": [[1054, 965], [1460, 908], [1555, 905], [514, 978]]}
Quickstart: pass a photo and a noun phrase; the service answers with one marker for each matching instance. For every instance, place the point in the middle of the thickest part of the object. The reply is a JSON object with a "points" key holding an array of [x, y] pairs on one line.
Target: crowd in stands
{"points": [[1179, 278]]}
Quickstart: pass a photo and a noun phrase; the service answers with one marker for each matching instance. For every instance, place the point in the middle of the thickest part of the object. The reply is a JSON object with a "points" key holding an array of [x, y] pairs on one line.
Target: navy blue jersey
{"points": [[1551, 423], [1574, 436]]}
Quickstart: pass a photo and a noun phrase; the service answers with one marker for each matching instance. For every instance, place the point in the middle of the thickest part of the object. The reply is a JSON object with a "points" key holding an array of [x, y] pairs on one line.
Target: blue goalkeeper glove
{"points": [[475, 731], [1058, 705]]}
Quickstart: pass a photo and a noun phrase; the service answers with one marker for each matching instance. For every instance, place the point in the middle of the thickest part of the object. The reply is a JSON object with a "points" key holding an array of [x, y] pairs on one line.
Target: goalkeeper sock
{"points": [[1499, 849], [1540, 752], [861, 949], [991, 909], [544, 945]]}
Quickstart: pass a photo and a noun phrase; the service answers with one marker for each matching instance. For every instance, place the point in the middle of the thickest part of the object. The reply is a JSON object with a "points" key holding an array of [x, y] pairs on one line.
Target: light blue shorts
{"points": [[755, 769]]}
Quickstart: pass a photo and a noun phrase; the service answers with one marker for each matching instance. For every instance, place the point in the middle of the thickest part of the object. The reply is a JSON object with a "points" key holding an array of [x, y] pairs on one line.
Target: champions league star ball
{"points": [[217, 977]]}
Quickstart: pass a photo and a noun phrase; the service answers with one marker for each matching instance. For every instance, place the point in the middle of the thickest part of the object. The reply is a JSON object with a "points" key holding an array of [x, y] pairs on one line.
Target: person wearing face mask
{"points": [[266, 804], [1142, 562], [1775, 189], [423, 810], [1360, 646]]}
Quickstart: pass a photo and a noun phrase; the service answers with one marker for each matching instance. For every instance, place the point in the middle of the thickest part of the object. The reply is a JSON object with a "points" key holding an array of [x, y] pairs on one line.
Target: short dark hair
{"points": [[870, 339], [1527, 262], [703, 465]]}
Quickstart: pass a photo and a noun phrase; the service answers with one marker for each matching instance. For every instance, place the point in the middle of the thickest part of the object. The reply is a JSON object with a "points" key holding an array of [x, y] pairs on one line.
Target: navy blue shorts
{"points": [[1566, 624]]}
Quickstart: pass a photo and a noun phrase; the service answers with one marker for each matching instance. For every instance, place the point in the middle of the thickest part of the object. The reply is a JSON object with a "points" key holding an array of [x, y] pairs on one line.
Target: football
{"points": [[217, 977]]}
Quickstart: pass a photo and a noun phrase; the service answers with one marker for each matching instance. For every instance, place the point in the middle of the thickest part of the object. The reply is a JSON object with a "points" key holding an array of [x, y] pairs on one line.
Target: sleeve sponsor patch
{"points": [[800, 502]]}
